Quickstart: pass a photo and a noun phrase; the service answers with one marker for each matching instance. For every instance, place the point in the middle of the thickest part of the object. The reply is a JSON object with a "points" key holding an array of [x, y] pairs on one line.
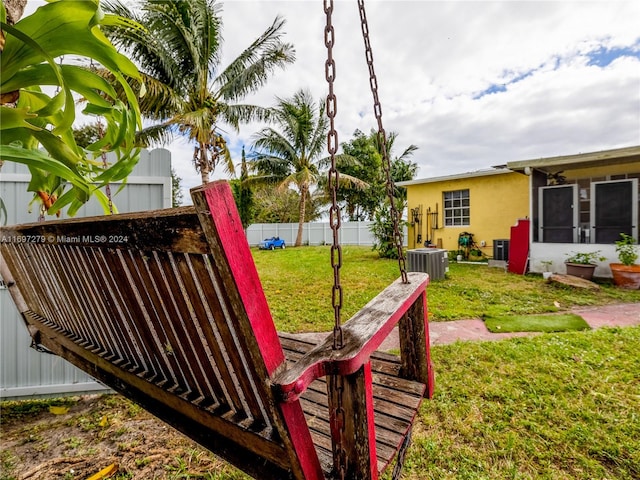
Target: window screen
{"points": [[612, 210], [558, 208]]}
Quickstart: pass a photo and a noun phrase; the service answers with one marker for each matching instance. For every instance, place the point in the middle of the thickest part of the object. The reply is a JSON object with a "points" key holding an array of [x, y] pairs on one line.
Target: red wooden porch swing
{"points": [[170, 312]]}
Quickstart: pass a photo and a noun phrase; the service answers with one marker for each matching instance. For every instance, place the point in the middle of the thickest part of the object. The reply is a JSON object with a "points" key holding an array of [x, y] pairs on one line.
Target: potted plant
{"points": [[626, 274], [547, 269], [582, 264], [476, 255]]}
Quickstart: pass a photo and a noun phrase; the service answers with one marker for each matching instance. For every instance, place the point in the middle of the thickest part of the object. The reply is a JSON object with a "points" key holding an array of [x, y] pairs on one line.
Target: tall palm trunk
{"points": [[304, 190], [203, 163]]}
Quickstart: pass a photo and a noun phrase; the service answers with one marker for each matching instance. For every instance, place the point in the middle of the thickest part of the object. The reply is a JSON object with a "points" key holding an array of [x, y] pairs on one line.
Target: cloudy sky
{"points": [[472, 83]]}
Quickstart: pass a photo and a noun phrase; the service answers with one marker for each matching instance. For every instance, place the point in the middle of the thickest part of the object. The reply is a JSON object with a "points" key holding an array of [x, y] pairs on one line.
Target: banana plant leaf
{"points": [[43, 121]]}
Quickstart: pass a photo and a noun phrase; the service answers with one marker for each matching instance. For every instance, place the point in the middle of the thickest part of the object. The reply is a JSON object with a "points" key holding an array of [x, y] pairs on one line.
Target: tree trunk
{"points": [[304, 189], [15, 9], [203, 164]]}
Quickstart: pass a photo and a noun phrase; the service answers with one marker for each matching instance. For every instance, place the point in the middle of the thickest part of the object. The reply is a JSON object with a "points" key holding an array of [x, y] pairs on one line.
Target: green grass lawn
{"points": [[297, 283], [557, 406], [554, 406]]}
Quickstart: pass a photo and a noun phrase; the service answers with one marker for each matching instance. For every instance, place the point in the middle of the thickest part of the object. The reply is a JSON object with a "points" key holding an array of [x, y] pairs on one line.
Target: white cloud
{"points": [[434, 58]]}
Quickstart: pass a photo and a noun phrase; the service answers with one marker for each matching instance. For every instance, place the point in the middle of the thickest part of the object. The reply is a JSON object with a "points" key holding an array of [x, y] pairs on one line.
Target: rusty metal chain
{"points": [[397, 469], [338, 419], [382, 140], [337, 416], [333, 177]]}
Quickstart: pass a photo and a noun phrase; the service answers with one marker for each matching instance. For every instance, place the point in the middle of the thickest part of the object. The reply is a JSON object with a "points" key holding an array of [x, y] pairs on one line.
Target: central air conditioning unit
{"points": [[433, 261]]}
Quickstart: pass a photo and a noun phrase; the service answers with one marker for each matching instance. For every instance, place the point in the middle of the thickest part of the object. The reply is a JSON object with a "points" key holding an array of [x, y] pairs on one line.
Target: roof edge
{"points": [[458, 176], [599, 158]]}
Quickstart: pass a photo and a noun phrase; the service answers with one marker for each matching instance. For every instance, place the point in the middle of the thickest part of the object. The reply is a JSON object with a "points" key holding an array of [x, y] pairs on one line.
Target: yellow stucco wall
{"points": [[496, 203]]}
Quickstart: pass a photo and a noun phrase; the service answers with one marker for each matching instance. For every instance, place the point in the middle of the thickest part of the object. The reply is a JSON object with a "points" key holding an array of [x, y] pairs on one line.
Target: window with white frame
{"points": [[456, 208]]}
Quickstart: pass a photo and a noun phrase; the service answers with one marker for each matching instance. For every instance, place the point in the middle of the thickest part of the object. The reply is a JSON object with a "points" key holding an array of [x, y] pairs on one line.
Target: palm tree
{"points": [[178, 51], [292, 156]]}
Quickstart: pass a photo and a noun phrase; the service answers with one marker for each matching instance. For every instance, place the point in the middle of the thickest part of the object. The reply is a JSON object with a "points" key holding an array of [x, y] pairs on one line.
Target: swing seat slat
{"points": [[166, 307]]}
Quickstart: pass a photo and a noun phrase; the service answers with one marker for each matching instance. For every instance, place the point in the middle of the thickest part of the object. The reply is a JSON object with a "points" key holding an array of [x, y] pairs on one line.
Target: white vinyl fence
{"points": [[350, 233], [25, 372]]}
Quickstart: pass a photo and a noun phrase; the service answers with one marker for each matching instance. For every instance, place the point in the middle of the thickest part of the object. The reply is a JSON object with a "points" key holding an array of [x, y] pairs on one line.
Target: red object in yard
{"points": [[519, 247]]}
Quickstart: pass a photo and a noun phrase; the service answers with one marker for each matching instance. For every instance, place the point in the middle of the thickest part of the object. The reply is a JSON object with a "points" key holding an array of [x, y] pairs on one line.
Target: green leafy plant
{"points": [[382, 229], [38, 102], [191, 92], [627, 249], [585, 258]]}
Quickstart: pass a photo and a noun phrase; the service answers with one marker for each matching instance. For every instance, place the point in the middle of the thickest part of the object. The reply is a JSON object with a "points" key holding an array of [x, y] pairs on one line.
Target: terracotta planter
{"points": [[626, 276], [581, 270]]}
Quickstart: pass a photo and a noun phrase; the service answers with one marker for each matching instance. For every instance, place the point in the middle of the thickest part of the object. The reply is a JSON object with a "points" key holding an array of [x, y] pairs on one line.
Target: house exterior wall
{"points": [[497, 201]]}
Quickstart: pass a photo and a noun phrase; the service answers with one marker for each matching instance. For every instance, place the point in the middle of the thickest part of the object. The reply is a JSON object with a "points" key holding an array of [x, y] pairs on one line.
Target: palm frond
{"points": [[236, 114], [143, 46], [274, 144], [408, 152], [251, 69], [155, 135]]}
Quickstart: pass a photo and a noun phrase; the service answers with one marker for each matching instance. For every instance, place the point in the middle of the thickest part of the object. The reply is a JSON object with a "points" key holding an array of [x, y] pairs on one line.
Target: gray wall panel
{"points": [[25, 372]]}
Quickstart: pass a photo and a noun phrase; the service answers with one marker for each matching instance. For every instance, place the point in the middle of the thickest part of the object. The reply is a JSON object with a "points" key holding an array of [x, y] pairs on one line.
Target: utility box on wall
{"points": [[501, 250], [433, 261]]}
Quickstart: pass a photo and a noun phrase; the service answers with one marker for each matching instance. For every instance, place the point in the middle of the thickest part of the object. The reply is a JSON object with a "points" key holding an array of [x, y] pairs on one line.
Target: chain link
{"points": [[397, 469], [338, 418], [335, 384], [382, 140], [43, 211], [333, 177]]}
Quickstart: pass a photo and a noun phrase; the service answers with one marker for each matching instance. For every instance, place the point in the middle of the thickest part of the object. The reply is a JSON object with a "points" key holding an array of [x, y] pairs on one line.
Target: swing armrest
{"points": [[363, 334]]}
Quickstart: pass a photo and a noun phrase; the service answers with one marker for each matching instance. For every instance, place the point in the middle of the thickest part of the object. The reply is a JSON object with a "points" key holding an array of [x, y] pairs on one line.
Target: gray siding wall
{"points": [[24, 372]]}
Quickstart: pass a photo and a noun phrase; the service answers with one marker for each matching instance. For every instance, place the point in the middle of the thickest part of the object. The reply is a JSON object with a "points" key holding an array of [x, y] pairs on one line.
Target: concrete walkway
{"points": [[617, 315], [620, 315]]}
